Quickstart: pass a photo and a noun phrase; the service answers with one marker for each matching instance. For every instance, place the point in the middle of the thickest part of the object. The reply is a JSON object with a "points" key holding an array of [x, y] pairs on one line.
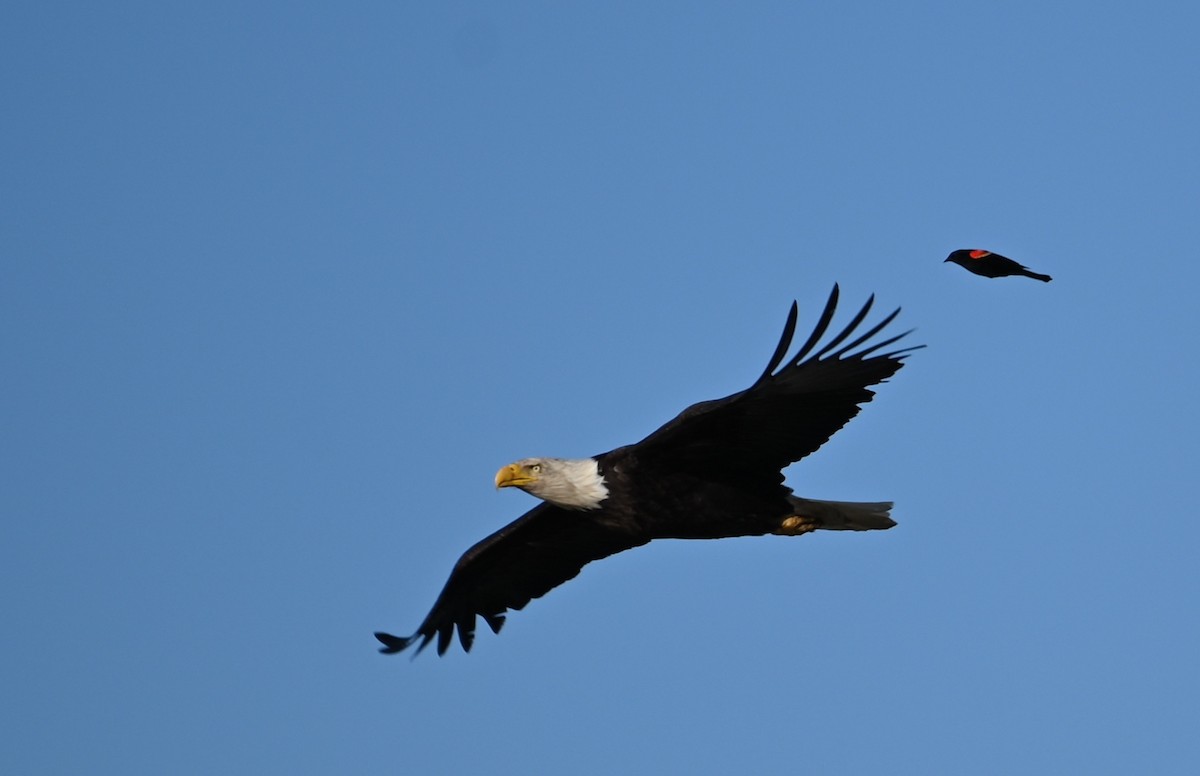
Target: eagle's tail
{"points": [[846, 515]]}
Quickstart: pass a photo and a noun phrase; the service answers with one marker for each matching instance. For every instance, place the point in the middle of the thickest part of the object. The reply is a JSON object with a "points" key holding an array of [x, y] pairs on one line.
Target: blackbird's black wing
{"points": [[537, 552], [791, 410]]}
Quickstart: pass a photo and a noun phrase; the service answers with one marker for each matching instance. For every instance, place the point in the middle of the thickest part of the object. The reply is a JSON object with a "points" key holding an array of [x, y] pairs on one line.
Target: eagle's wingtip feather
{"points": [[392, 644]]}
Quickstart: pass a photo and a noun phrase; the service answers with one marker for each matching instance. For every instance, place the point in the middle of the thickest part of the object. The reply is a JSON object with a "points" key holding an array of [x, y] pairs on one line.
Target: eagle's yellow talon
{"points": [[796, 525]]}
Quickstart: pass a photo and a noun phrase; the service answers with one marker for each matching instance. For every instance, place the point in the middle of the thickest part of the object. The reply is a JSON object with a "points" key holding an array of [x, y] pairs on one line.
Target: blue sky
{"points": [[284, 284]]}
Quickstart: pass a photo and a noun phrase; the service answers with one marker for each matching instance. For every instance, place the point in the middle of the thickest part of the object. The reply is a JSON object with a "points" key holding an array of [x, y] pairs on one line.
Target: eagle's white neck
{"points": [[571, 483]]}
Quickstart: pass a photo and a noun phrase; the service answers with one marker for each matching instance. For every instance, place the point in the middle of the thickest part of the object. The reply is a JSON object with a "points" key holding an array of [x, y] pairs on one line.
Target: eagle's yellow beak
{"points": [[514, 476]]}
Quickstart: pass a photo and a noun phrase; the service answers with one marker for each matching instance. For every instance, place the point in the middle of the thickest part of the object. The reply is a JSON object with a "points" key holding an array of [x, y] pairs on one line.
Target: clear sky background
{"points": [[284, 284]]}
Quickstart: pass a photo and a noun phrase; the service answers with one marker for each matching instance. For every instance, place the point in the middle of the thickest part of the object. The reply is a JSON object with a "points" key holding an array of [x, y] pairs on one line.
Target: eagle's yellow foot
{"points": [[797, 525]]}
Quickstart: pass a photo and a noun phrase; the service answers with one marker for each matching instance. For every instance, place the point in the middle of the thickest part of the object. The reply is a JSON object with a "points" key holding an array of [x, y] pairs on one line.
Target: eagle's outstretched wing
{"points": [[524, 560], [792, 409]]}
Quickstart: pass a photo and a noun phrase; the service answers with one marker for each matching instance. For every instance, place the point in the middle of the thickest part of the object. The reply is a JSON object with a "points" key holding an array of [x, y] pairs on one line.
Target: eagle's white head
{"points": [[571, 483]]}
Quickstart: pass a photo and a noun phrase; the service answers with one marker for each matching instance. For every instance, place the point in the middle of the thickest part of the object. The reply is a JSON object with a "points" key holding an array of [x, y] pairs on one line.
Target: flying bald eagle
{"points": [[712, 472]]}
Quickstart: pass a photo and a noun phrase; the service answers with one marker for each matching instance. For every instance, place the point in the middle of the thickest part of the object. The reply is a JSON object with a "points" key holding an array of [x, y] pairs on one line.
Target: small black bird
{"points": [[992, 265]]}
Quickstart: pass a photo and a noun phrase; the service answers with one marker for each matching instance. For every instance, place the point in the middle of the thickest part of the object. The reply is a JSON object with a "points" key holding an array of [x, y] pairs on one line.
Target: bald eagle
{"points": [[712, 472]]}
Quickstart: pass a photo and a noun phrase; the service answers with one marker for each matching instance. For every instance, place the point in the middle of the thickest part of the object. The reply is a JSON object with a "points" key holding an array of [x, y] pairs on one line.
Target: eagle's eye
{"points": [[536, 468]]}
